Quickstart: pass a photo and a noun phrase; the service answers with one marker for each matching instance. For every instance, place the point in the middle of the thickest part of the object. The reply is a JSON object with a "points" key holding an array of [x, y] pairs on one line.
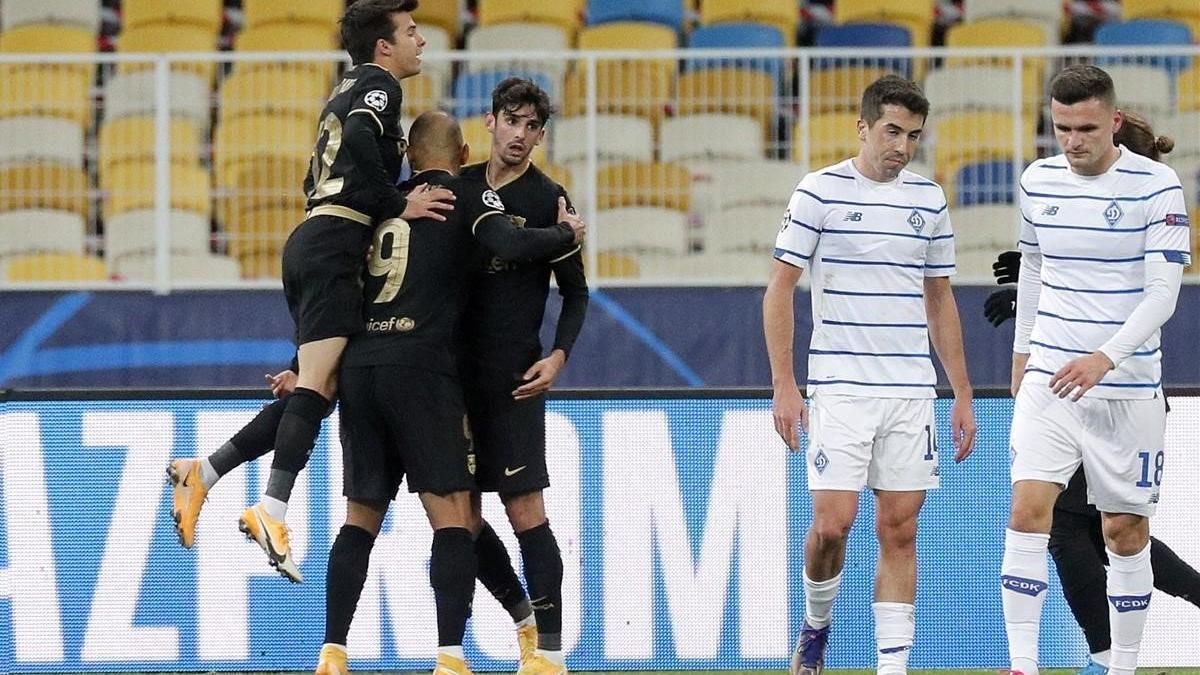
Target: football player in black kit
{"points": [[505, 375], [402, 411], [350, 187]]}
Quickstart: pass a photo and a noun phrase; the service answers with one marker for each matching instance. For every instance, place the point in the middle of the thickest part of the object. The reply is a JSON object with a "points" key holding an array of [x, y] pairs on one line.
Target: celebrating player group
{"points": [[418, 307]]}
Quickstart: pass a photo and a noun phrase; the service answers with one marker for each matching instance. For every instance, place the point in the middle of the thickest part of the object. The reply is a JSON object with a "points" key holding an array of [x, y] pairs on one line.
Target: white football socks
{"points": [[1130, 584], [894, 629], [1023, 580], [818, 599]]}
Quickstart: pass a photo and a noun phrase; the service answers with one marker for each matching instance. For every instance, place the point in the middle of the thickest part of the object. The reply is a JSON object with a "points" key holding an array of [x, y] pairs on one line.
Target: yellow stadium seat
{"points": [[133, 139], [476, 135], [628, 35], [47, 38], [286, 38], [966, 138], [264, 265], [840, 89], [321, 12], [44, 186], [47, 91], [445, 14], [565, 15], [130, 187], [626, 87], [1187, 89], [54, 267], [262, 231], [298, 92], [917, 16], [666, 185], [422, 92], [264, 182], [782, 14], [1000, 33], [166, 38], [559, 174], [741, 91], [611, 265], [832, 138], [206, 14], [244, 139]]}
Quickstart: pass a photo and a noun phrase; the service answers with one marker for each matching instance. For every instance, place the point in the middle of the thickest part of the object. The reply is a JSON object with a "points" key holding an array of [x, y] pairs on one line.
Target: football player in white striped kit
{"points": [[1104, 241], [877, 242]]}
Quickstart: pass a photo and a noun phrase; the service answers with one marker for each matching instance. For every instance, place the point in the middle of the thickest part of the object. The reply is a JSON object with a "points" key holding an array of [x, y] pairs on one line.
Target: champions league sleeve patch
{"points": [[492, 199], [1177, 219], [377, 99]]}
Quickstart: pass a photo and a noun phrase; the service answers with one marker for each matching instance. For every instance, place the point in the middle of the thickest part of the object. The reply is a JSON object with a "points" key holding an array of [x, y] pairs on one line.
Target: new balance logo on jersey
{"points": [[1030, 587], [853, 217], [1049, 210], [1113, 213], [916, 221], [1130, 603]]}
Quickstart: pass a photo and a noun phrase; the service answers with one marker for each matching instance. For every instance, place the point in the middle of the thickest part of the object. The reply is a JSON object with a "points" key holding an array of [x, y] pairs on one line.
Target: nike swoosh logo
{"points": [[267, 536], [513, 472]]}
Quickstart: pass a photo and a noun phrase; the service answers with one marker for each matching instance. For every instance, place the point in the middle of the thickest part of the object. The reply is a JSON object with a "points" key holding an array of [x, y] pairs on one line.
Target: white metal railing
{"points": [[681, 166]]}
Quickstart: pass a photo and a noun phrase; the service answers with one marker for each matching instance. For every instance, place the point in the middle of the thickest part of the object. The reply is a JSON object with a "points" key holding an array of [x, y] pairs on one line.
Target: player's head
{"points": [[1137, 135], [517, 122], [383, 32], [890, 121], [435, 141], [1084, 111]]}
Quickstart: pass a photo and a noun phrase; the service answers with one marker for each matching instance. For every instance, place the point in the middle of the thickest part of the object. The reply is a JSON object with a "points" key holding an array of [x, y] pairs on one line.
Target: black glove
{"points": [[1001, 305], [1007, 267]]}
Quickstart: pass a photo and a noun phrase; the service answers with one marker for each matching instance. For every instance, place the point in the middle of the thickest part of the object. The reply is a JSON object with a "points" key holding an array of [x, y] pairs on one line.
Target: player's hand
{"points": [[1018, 372], [1000, 306], [540, 376], [570, 218], [962, 428], [1007, 267], [1081, 374], [281, 383], [425, 201], [791, 415]]}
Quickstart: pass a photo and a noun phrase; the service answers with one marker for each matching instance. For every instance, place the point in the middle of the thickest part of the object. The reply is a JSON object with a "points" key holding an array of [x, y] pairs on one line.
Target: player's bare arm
{"points": [[787, 404], [945, 332]]}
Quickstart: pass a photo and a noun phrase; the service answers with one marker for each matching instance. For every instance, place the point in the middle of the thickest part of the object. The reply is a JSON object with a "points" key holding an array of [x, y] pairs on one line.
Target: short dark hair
{"points": [[1080, 82], [892, 90], [514, 92], [368, 21]]}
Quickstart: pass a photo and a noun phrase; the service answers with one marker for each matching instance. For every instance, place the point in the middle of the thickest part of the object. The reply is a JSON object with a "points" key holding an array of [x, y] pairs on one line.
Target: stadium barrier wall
{"points": [[680, 515], [184, 171]]}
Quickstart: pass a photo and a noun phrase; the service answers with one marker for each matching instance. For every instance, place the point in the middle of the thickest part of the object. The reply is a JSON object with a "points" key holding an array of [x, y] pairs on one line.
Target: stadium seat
{"points": [[669, 13], [641, 87], [559, 174], [509, 36], [206, 14], [261, 265], [1187, 13], [711, 136], [782, 14], [618, 138], [262, 231], [746, 229], [323, 13], [44, 186], [731, 267], [437, 43], [41, 230], [969, 137], [840, 89], [134, 139], [476, 135], [877, 35], [40, 139], [832, 138], [131, 187], [47, 92], [422, 92], [628, 35], [728, 184], [296, 92], [1184, 128], [999, 33], [133, 94], [244, 139], [1139, 32], [665, 185], [473, 91], [980, 233], [728, 90], [641, 230], [45, 39], [614, 265], [1187, 89], [916, 16], [85, 15], [981, 87], [54, 268], [1047, 15], [443, 14], [264, 182], [1188, 170], [983, 183], [1143, 88], [137, 232], [167, 38], [285, 38], [565, 15], [183, 267], [737, 36]]}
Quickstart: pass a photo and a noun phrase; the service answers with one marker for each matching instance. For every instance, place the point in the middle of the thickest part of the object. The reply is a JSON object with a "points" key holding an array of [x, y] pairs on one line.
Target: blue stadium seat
{"points": [[473, 91], [1148, 32], [985, 183], [866, 35], [735, 36], [667, 12]]}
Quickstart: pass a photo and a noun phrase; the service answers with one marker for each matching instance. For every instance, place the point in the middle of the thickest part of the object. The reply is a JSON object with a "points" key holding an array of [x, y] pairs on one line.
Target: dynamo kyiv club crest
{"points": [[1113, 213]]}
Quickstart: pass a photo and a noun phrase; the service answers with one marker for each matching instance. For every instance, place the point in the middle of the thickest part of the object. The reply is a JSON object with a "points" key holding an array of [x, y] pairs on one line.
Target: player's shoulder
{"points": [[370, 75], [1157, 176], [1045, 169], [475, 193], [539, 180], [477, 171], [376, 87]]}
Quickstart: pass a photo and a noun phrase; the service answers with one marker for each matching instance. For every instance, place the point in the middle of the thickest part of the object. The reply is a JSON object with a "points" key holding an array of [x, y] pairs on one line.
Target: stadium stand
{"points": [[445, 15], [205, 14], [133, 94], [666, 185], [53, 268], [916, 15], [1145, 32], [670, 13], [624, 137], [642, 230], [1048, 15], [131, 187], [134, 232], [780, 14], [711, 136], [27, 231], [321, 13], [85, 15], [565, 15], [40, 139]]}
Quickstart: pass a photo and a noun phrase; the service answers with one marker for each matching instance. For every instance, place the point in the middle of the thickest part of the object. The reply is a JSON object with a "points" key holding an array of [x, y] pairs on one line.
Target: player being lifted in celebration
{"points": [[877, 242], [350, 186], [504, 373], [1104, 240]]}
